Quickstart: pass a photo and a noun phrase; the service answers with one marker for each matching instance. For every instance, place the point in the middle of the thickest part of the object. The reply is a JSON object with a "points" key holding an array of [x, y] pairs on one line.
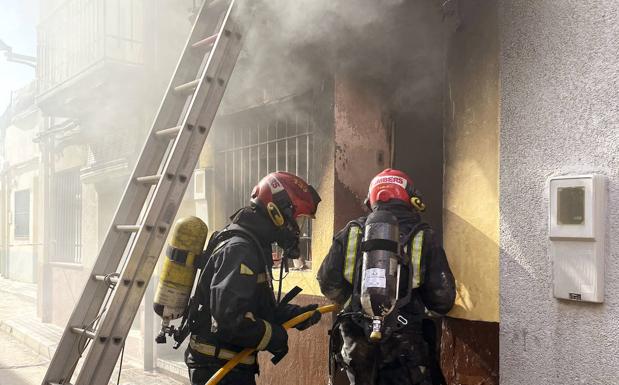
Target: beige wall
{"points": [[23, 251], [90, 219], [70, 157], [322, 234], [362, 144], [21, 165], [471, 211], [358, 137]]}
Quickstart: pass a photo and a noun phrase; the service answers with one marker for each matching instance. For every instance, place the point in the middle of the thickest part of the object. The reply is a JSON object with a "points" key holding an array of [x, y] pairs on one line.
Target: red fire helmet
{"points": [[391, 184], [285, 193]]}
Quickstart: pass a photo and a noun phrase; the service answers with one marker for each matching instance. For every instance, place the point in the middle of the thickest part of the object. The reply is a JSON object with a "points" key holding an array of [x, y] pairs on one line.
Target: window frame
{"points": [[273, 137], [27, 213]]}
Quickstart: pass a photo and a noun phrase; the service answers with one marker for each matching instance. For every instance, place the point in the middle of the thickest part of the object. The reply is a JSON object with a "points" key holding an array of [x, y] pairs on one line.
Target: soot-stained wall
{"points": [[469, 347], [471, 183]]}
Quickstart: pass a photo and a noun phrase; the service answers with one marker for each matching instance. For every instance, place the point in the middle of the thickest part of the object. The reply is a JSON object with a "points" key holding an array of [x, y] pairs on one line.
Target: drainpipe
{"points": [[4, 208], [45, 286]]}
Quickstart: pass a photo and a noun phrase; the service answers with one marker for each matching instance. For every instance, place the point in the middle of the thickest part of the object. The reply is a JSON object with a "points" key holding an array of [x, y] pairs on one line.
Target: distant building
{"points": [[21, 228], [102, 68]]}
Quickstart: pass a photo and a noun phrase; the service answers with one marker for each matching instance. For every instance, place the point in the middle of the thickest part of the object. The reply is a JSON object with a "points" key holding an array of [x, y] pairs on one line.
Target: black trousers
{"points": [[400, 360]]}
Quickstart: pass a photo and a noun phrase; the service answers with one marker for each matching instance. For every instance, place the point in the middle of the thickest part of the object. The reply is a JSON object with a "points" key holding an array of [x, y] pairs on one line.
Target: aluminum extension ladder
{"points": [[110, 300]]}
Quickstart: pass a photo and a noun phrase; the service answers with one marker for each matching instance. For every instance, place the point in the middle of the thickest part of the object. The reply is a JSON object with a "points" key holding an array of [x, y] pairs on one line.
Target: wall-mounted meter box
{"points": [[578, 221]]}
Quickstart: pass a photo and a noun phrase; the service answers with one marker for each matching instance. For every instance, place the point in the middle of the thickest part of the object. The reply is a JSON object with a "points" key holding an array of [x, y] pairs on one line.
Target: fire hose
{"points": [[221, 373]]}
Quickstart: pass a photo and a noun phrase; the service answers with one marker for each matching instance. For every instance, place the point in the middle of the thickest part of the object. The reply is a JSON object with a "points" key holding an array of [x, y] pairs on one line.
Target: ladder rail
{"points": [[146, 249], [134, 199]]}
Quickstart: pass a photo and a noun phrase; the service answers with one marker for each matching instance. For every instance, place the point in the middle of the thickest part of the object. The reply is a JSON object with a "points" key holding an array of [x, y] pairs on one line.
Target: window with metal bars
{"points": [[21, 212], [251, 148], [67, 208]]}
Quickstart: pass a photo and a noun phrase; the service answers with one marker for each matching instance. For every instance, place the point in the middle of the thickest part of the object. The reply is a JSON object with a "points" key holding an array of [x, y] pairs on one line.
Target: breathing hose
{"points": [[221, 373]]}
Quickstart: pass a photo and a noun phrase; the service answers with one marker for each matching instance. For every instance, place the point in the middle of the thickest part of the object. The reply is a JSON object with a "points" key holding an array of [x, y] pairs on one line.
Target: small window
{"points": [[22, 214], [571, 205]]}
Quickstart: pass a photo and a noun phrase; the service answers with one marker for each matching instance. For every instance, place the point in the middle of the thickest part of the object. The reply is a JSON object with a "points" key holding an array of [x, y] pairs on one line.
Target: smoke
{"points": [[291, 46], [395, 46]]}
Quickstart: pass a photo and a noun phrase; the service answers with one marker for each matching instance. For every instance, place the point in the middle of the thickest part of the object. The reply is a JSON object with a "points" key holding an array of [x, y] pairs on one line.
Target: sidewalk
{"points": [[29, 344], [18, 318]]}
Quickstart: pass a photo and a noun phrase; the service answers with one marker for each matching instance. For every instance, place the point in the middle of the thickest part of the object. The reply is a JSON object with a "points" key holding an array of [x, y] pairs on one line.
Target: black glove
{"points": [[278, 345], [314, 319], [287, 312]]}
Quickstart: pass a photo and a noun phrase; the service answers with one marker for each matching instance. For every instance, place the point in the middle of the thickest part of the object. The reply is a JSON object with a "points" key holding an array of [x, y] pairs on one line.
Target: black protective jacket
{"points": [[235, 304]]}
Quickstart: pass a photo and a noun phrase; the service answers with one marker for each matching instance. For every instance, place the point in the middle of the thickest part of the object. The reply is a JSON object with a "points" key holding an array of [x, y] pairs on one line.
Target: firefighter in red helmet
{"points": [[387, 271], [234, 306]]}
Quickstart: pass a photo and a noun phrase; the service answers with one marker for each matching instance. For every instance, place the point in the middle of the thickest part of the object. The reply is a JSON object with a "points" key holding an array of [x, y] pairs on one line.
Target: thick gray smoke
{"points": [[393, 45]]}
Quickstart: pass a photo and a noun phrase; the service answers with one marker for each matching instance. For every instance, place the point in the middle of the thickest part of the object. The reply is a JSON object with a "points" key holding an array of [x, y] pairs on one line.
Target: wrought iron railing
{"points": [[79, 34], [67, 214], [252, 152]]}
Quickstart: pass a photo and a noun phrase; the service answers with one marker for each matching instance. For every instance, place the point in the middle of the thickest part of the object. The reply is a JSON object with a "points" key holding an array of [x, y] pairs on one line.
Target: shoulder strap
{"points": [[417, 228], [415, 240], [415, 254], [355, 232], [229, 232], [216, 239], [235, 230]]}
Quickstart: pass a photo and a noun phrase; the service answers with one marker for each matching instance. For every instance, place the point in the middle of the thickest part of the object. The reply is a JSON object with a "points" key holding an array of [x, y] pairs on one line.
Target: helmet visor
{"points": [[304, 222]]}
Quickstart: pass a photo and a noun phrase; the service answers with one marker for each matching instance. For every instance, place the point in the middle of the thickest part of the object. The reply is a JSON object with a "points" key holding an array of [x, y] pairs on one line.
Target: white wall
{"points": [[22, 165], [559, 114]]}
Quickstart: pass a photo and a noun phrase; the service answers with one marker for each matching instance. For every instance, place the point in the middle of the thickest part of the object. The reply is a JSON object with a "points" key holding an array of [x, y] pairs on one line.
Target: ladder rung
{"points": [[128, 228], [215, 4], [168, 132], [151, 179], [209, 41], [143, 217], [187, 87], [111, 278], [84, 332]]}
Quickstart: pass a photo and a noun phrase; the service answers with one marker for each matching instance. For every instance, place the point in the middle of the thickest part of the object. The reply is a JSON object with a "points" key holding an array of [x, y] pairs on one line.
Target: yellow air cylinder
{"points": [[179, 270]]}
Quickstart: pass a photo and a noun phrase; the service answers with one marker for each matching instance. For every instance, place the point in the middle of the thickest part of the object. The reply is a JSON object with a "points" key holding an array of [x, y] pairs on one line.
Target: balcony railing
{"points": [[79, 34]]}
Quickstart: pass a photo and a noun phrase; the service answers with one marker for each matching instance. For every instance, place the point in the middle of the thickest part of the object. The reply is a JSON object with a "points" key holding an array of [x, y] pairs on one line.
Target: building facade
{"points": [[99, 84], [21, 209], [326, 111], [559, 117], [481, 102]]}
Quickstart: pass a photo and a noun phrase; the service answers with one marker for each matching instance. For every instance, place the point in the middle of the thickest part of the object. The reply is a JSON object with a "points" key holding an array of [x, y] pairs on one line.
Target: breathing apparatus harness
{"points": [[354, 312], [191, 318]]}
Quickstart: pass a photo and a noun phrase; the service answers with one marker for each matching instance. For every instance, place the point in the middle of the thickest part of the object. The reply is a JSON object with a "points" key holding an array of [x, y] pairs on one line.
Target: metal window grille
{"points": [[81, 33], [270, 144], [67, 208], [22, 214]]}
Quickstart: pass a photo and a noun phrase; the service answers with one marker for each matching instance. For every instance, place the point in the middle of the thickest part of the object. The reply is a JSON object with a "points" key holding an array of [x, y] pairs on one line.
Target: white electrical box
{"points": [[578, 221]]}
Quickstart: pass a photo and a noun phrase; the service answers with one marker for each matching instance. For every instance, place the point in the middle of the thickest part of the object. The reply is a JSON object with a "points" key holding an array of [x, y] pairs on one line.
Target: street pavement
{"points": [[20, 364]]}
